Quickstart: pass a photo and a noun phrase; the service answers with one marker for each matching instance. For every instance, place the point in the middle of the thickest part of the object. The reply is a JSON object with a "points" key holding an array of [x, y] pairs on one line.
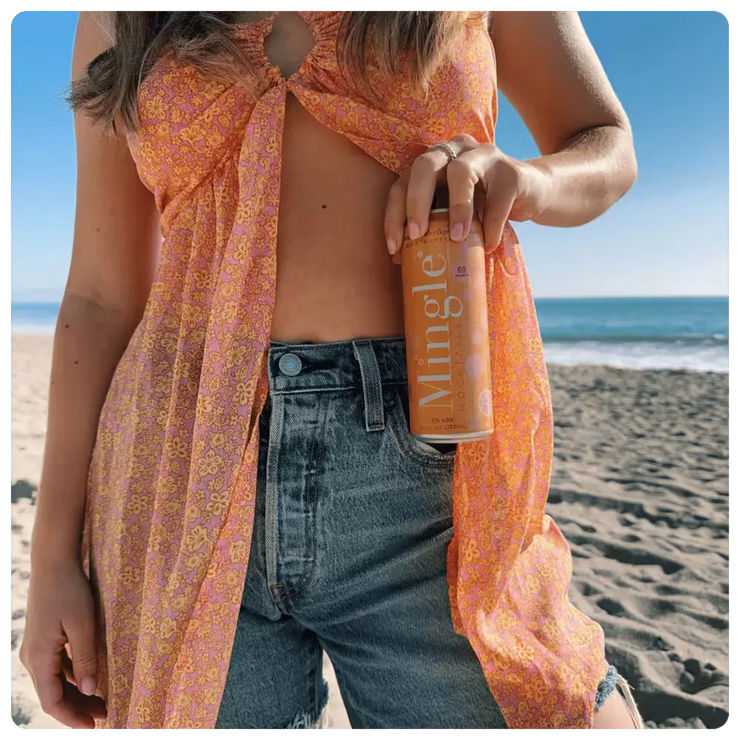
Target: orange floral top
{"points": [[171, 491]]}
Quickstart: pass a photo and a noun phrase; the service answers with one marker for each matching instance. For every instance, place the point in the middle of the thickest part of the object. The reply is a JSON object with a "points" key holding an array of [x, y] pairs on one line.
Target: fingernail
{"points": [[87, 686], [414, 230], [456, 232], [392, 246]]}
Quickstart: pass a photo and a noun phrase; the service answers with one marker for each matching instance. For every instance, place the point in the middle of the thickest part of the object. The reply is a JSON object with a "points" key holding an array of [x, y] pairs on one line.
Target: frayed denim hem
{"points": [[302, 721], [613, 681], [606, 687], [307, 721]]}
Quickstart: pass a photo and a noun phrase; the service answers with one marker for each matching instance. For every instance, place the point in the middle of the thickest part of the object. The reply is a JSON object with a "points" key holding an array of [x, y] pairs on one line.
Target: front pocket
{"points": [[414, 449]]}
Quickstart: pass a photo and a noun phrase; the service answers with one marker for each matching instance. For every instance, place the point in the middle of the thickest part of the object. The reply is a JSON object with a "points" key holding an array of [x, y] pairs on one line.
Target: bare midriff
{"points": [[335, 278]]}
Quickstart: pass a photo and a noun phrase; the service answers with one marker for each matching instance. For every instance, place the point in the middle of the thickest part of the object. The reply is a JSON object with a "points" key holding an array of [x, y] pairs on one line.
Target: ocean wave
{"points": [[606, 338], [641, 355]]}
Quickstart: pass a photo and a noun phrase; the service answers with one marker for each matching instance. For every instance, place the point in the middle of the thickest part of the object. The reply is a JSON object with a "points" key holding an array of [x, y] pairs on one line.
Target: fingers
{"points": [[477, 169], [410, 198], [461, 182], [92, 707], [427, 172], [67, 669], [395, 214], [502, 187], [55, 694], [80, 632], [498, 207], [59, 648]]}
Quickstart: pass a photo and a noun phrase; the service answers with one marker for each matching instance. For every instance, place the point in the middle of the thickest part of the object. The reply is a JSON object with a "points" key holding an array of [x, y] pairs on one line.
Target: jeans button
{"points": [[290, 364]]}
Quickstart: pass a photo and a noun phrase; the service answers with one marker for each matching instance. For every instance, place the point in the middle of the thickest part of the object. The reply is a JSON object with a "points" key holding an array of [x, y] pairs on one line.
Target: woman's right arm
{"points": [[114, 252], [114, 256]]}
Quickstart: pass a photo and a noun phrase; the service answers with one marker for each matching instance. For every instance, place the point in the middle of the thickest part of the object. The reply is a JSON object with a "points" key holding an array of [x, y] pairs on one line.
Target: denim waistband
{"points": [[366, 364], [332, 366]]}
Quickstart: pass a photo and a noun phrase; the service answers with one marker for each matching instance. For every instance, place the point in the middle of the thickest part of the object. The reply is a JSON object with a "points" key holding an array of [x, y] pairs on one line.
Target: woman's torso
{"points": [[335, 277], [304, 162]]}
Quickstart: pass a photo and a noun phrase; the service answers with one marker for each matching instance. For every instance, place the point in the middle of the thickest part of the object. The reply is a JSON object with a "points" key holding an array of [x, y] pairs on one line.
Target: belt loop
{"points": [[372, 386]]}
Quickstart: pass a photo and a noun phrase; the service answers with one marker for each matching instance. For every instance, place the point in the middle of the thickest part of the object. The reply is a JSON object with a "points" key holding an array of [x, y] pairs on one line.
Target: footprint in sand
{"points": [[611, 606], [586, 588]]}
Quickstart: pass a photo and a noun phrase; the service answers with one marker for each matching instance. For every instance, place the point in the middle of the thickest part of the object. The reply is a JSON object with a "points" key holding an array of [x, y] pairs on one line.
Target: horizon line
{"points": [[26, 302], [624, 297]]}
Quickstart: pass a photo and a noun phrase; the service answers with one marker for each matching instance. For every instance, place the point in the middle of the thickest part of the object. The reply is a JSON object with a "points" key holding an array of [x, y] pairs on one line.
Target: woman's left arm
{"points": [[549, 72]]}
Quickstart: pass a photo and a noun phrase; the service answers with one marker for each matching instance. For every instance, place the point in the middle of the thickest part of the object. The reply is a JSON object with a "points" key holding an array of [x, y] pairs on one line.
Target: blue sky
{"points": [[668, 236]]}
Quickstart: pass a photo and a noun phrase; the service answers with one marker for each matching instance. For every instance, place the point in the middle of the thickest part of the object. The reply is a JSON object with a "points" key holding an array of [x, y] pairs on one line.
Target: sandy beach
{"points": [[639, 488]]}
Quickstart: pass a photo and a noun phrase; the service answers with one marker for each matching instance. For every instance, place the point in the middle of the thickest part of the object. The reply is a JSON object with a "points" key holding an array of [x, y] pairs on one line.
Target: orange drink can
{"points": [[446, 326]]}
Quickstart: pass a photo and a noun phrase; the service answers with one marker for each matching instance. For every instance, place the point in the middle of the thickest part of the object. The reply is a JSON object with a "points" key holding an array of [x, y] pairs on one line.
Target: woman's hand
{"points": [[480, 178], [60, 611]]}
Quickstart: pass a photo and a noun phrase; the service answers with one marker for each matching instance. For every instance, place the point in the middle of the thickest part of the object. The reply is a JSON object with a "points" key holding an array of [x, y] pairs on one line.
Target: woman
{"points": [[230, 486]]}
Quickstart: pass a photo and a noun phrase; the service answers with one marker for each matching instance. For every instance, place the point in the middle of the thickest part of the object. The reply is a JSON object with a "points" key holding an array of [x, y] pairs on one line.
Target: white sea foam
{"points": [[640, 356]]}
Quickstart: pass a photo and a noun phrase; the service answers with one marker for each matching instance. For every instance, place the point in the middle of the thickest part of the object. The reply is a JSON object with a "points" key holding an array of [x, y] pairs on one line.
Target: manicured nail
{"points": [[392, 245], [456, 232], [87, 686], [414, 230]]}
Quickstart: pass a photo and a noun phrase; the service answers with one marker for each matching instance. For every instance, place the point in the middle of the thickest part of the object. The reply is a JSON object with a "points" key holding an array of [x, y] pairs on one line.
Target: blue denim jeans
{"points": [[353, 520]]}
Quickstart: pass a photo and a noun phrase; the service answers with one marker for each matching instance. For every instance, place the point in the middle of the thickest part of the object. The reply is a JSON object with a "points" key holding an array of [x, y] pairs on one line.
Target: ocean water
{"points": [[638, 333]]}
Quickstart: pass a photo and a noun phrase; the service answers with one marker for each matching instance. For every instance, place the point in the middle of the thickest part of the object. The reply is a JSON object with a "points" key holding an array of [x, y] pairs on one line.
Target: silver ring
{"points": [[444, 147]]}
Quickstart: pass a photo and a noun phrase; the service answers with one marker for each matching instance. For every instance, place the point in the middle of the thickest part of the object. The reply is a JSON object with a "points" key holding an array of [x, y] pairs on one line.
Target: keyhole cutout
{"points": [[288, 43]]}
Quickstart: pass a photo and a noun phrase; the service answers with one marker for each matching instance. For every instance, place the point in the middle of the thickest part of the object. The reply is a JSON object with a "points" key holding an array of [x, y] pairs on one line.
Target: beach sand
{"points": [[639, 488]]}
